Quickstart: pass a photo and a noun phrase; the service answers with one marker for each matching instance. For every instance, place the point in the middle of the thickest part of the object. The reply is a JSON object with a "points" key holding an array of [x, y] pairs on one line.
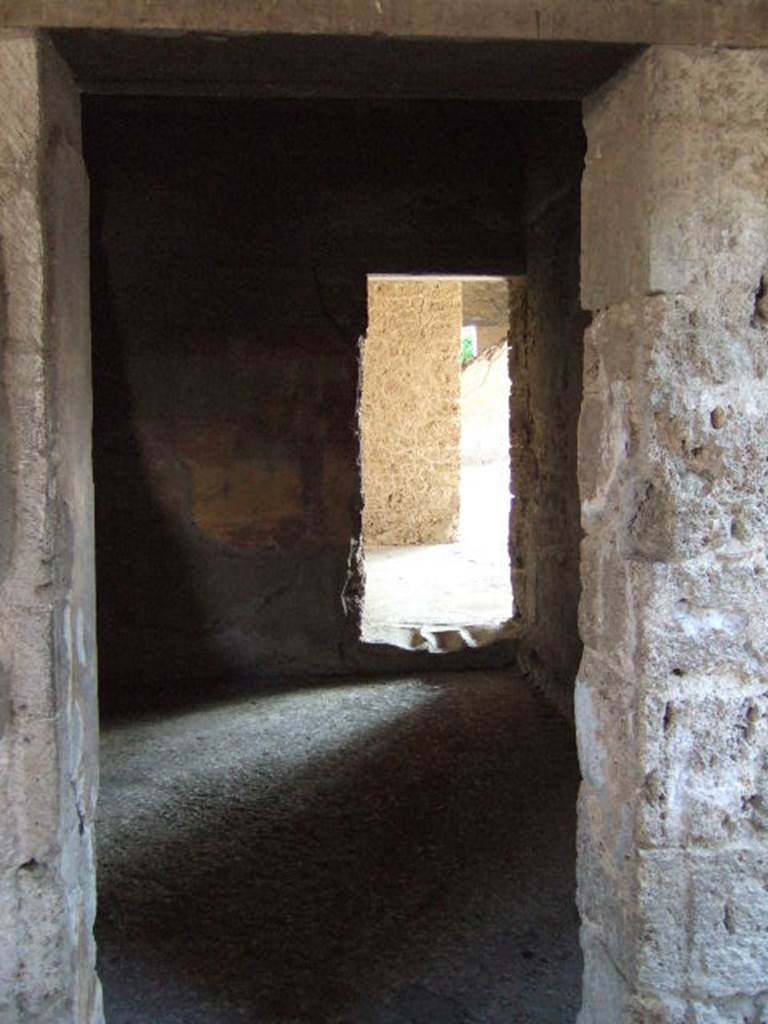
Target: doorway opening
{"points": [[435, 445], [280, 771]]}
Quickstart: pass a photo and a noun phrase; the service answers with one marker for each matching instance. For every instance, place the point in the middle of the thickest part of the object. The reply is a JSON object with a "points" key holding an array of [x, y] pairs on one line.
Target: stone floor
{"points": [[434, 587], [389, 851], [448, 595]]}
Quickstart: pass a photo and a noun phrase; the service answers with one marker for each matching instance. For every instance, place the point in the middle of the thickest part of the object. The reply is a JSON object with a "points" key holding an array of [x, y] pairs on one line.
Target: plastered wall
{"points": [[409, 412], [232, 242]]}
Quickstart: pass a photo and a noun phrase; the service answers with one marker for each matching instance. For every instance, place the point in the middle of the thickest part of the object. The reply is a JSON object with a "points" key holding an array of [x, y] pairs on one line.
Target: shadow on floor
{"points": [[361, 853]]}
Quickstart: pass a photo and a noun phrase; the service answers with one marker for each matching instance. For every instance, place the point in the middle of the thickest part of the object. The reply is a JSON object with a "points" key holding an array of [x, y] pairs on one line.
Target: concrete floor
{"points": [[389, 851]]}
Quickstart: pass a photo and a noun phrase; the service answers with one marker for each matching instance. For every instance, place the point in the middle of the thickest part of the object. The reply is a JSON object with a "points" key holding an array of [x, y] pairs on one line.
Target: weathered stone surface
{"points": [[610, 992], [617, 1006], [607, 886], [545, 370], [729, 1011], [656, 620], [701, 752], [728, 893], [632, 904], [671, 699], [690, 158], [664, 21], [675, 463], [48, 766]]}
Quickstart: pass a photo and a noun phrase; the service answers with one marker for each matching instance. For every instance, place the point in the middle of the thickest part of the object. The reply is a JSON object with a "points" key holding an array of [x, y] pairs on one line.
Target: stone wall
{"points": [[672, 703], [742, 23], [545, 371], [48, 758], [409, 412], [229, 296]]}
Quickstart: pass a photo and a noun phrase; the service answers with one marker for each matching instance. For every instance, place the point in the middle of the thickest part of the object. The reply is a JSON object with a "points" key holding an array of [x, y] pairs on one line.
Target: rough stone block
{"points": [[615, 264], [727, 896], [669, 340], [606, 732], [607, 604], [736, 1010], [697, 485], [607, 878], [607, 995], [46, 761], [717, 945], [34, 782], [698, 618], [8, 943], [680, 764], [674, 464], [603, 446], [43, 982], [690, 205], [663, 954], [716, 87], [7, 497], [681, 770], [27, 645], [702, 750], [642, 1009], [20, 245], [656, 621], [20, 113]]}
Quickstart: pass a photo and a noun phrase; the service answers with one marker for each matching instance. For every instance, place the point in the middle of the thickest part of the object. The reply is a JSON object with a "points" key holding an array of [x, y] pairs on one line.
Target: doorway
{"points": [[674, 334], [228, 300], [266, 590], [434, 426]]}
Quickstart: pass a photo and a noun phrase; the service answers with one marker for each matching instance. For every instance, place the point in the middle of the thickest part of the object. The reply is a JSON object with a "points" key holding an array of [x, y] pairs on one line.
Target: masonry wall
{"points": [[409, 412], [672, 704], [232, 243], [668, 21], [545, 371], [48, 708]]}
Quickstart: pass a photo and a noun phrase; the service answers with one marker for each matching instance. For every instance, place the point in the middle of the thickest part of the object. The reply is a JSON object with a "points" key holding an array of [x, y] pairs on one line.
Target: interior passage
{"points": [[356, 850], [435, 444], [397, 851]]}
